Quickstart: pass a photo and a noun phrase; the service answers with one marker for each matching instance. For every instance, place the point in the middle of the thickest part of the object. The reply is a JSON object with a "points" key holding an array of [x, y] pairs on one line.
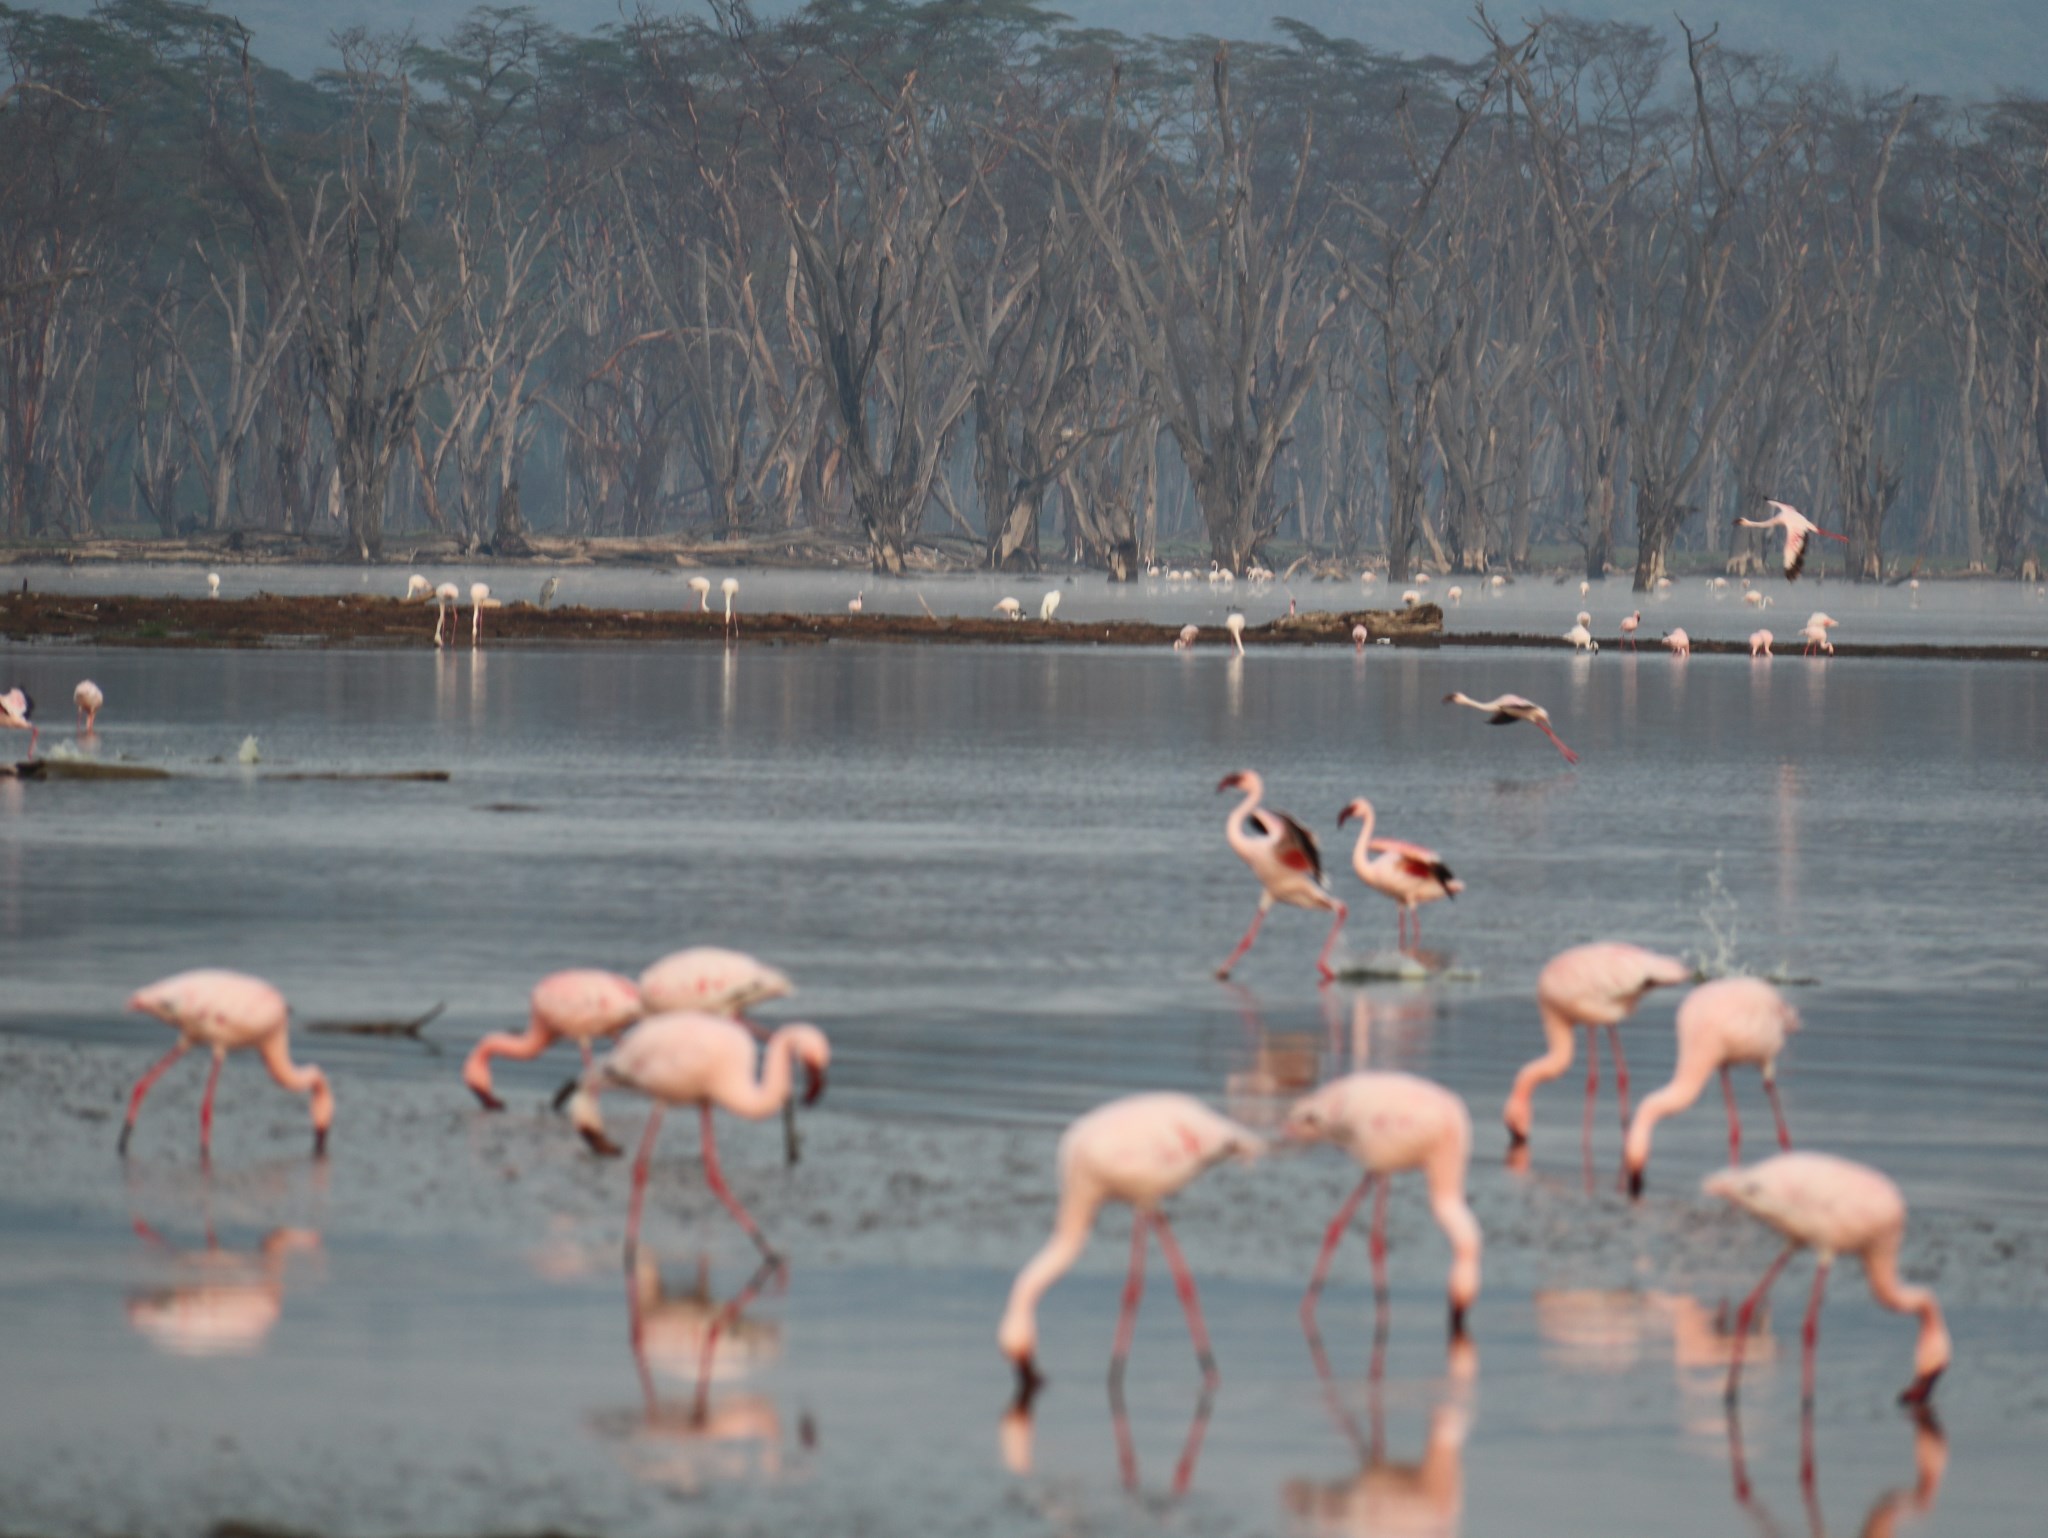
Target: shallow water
{"points": [[998, 878]]}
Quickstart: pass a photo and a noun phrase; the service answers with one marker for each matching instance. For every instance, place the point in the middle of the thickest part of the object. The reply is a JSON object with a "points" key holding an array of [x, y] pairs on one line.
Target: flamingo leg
{"points": [[1809, 1335], [723, 1320], [1120, 1422], [642, 1163], [716, 1179], [569, 1086], [1592, 1088], [1191, 1450], [1620, 1074], [206, 1110], [1734, 1121], [1569, 756], [1134, 1290], [1331, 1240], [142, 1087], [1323, 960], [1190, 1302], [1381, 1316], [1778, 1111], [1251, 934], [1748, 1312]]}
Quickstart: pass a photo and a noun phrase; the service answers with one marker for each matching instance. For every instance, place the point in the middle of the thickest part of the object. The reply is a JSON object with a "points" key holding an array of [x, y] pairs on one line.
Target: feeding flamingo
{"points": [[1455, 594], [1411, 597], [1591, 986], [1722, 1023], [1010, 608], [1283, 855], [446, 597], [1834, 1207], [701, 586], [1756, 599], [1138, 1150], [1048, 604], [1359, 636], [1234, 623], [1815, 635], [227, 1011], [1512, 707], [88, 698], [730, 588], [1185, 641], [705, 1061], [1759, 643], [716, 981], [1582, 638], [1629, 626], [213, 584], [17, 710], [1408, 873], [417, 588], [480, 599], [581, 1005], [1798, 529], [1679, 642]]}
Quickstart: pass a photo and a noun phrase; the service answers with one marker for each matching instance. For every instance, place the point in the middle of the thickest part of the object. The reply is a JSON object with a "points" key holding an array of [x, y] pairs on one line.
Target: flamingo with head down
{"points": [[1408, 873], [17, 710], [1729, 1021], [582, 1005], [1283, 855]]}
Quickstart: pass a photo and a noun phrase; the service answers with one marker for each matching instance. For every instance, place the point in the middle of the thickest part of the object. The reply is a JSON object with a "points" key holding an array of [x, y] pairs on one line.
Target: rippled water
{"points": [[999, 879]]}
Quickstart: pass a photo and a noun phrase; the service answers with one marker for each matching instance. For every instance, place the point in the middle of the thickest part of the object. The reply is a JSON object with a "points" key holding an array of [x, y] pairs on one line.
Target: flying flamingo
{"points": [[17, 710], [701, 586], [730, 588], [1629, 627], [1138, 1150], [1408, 873], [1679, 642], [580, 1006], [1390, 1122], [1733, 1020], [1234, 623], [88, 698], [1283, 855], [227, 1011], [1798, 528], [1512, 707], [705, 1061], [1759, 643], [1589, 985], [480, 599], [1359, 636], [447, 596], [1834, 1207]]}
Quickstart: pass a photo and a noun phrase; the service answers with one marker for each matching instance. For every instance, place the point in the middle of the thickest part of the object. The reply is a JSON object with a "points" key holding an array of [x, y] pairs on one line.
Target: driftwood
{"points": [[410, 1028], [420, 776], [84, 769]]}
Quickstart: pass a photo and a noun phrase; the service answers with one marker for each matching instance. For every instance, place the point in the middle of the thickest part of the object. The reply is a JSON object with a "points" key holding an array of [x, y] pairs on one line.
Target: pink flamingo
{"points": [[1679, 642], [446, 597], [1138, 1150], [1798, 528], [1185, 641], [88, 698], [1815, 634], [713, 980], [1359, 636], [17, 711], [227, 1011], [1733, 1020], [581, 1005], [1512, 707], [1390, 1122], [705, 1061], [1760, 643], [1834, 1207], [1283, 855], [1629, 626], [1408, 873], [1589, 985]]}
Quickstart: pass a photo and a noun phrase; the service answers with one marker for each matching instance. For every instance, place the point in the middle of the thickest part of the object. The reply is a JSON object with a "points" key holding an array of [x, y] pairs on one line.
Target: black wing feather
{"points": [[1308, 842]]}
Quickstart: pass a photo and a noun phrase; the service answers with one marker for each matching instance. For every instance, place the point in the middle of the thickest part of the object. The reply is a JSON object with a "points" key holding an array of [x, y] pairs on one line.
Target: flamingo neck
{"points": [[1445, 1174], [1881, 1270], [763, 1097], [1234, 828], [1691, 1076], [1018, 1333], [300, 1079], [1361, 853]]}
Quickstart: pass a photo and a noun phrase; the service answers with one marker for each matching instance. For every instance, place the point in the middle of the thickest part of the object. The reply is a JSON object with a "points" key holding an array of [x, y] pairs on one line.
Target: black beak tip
{"points": [[600, 1145], [815, 1090], [1919, 1394], [1029, 1381], [486, 1099], [121, 1147], [1635, 1185], [1458, 1330], [320, 1142], [561, 1097]]}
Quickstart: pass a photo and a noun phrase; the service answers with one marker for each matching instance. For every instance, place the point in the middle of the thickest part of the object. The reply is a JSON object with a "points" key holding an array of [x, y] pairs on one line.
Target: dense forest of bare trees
{"points": [[931, 272]]}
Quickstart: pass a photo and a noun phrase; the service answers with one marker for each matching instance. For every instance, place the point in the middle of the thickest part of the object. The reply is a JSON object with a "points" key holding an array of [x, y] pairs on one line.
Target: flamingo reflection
{"points": [[1383, 1497], [226, 1302], [1930, 1463], [1017, 1438]]}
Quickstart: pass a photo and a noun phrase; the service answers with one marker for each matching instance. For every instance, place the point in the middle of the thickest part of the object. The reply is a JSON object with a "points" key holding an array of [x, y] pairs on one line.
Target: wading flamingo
{"points": [[705, 1061], [1010, 608], [88, 698], [1283, 855], [1759, 643], [418, 588], [1756, 600], [213, 584], [1185, 641], [1408, 873], [1391, 1122], [1798, 529], [1629, 626], [1049, 603], [480, 599], [1591, 986], [581, 1005], [701, 586], [447, 597], [1679, 642], [1582, 638], [17, 711], [1834, 1207], [227, 1011], [1411, 597], [1815, 633], [857, 602], [1138, 1150], [1359, 636], [1455, 594], [716, 981], [1512, 707], [1722, 1023], [1234, 623], [730, 588]]}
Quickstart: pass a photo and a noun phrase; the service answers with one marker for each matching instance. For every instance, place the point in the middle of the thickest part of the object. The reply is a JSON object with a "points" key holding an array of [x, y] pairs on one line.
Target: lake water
{"points": [[999, 879]]}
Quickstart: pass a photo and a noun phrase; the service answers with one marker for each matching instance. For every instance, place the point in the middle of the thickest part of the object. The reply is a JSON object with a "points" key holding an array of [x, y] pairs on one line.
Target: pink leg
{"points": [[1323, 961], [723, 1321], [1734, 1121], [1245, 944], [716, 1179], [206, 1110], [1380, 1320], [1190, 1304], [1120, 1422], [1592, 1084], [1620, 1074], [1331, 1240], [1746, 1313], [1809, 1337], [142, 1087], [1134, 1289], [1191, 1451], [642, 1163], [1778, 1110]]}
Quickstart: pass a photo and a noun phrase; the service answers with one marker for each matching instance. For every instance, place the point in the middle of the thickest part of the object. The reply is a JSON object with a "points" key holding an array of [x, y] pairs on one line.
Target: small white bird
{"points": [[701, 586], [1048, 603], [1679, 642], [729, 587], [88, 699], [854, 604], [417, 588], [1234, 623], [213, 584], [1009, 608]]}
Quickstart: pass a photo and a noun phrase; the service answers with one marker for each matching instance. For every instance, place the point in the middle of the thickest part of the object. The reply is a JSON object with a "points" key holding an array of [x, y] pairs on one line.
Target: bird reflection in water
{"points": [[224, 1302], [1384, 1497], [1930, 1463], [1278, 1065], [1612, 1330], [1016, 1436]]}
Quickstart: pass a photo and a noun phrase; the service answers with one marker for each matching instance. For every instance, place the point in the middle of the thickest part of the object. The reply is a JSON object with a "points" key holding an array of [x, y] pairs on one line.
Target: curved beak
{"points": [[1350, 811], [814, 1086], [1458, 1331], [1229, 782], [1921, 1390], [1029, 1381]]}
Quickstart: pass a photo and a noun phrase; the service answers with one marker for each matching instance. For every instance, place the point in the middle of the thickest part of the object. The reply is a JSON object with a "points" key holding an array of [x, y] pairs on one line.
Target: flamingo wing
{"points": [[1502, 718], [1297, 847], [1420, 863], [1795, 553]]}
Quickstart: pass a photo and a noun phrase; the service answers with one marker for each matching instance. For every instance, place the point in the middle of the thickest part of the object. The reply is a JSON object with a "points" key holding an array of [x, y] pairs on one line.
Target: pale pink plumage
{"points": [[1679, 642], [581, 1005], [1408, 873], [88, 698], [1760, 643], [1798, 528], [1283, 855], [1731, 1021], [1512, 707], [16, 711], [1588, 985]]}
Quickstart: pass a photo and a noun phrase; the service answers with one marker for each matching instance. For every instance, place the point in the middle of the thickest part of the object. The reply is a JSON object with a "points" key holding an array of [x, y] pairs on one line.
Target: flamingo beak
{"points": [[814, 1087], [1921, 1390], [1635, 1185], [1229, 782], [1029, 1381], [1345, 815], [319, 1142], [1458, 1331], [600, 1145]]}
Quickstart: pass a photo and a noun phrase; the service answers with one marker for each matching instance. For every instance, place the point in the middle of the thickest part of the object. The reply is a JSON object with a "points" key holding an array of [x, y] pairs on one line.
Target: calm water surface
{"points": [[999, 879]]}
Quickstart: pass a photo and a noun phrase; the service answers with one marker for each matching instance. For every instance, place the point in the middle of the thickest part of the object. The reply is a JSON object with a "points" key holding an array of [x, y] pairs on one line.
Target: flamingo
{"points": [[446, 597], [1834, 1207], [579, 1005], [1798, 528], [227, 1011], [1283, 855], [1585, 588], [1422, 579], [1185, 641], [1760, 643], [88, 698], [714, 981], [1815, 634], [1512, 707], [17, 710], [1009, 608], [417, 588], [1234, 623], [1408, 873], [213, 584], [1679, 642], [701, 586], [1048, 603], [1584, 618], [1582, 638], [1455, 594], [1138, 1150], [730, 588], [1411, 597], [1757, 599], [480, 599], [1359, 636], [1629, 627], [857, 602], [1496, 582], [702, 1060], [547, 591], [1391, 1122], [1733, 1020], [1589, 985]]}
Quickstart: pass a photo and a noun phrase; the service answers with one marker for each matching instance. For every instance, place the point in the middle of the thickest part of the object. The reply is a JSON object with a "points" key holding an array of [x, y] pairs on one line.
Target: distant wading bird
{"points": [[88, 698], [1185, 641], [1834, 1207], [17, 711], [213, 584], [1408, 873], [1629, 627], [1138, 1150], [1234, 623], [417, 588], [1679, 642], [1283, 855], [1505, 708], [1798, 529], [715, 981], [1760, 643], [227, 1011], [547, 591], [1049, 603], [730, 588], [447, 597], [480, 599], [581, 1005], [701, 586], [1010, 608]]}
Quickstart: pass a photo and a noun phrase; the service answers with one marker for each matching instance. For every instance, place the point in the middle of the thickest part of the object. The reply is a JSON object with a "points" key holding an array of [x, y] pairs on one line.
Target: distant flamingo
{"points": [[1391, 1122], [857, 602], [1629, 627], [480, 599], [1759, 643], [417, 588], [730, 588], [17, 710], [446, 597], [227, 1011], [1359, 636], [1591, 986], [1010, 608], [1722, 1023], [1679, 642], [1756, 600], [1283, 855], [1138, 1150], [1234, 623], [705, 1061], [1582, 638], [581, 1005], [1512, 707], [701, 586], [1585, 588], [1834, 1207], [1411, 597], [711, 979], [1798, 529], [1185, 641], [1815, 634], [1455, 594], [213, 584], [1408, 873], [1049, 603], [88, 698]]}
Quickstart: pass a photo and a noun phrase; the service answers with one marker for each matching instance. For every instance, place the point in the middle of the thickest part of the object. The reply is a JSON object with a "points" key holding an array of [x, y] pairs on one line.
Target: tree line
{"points": [[915, 272]]}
